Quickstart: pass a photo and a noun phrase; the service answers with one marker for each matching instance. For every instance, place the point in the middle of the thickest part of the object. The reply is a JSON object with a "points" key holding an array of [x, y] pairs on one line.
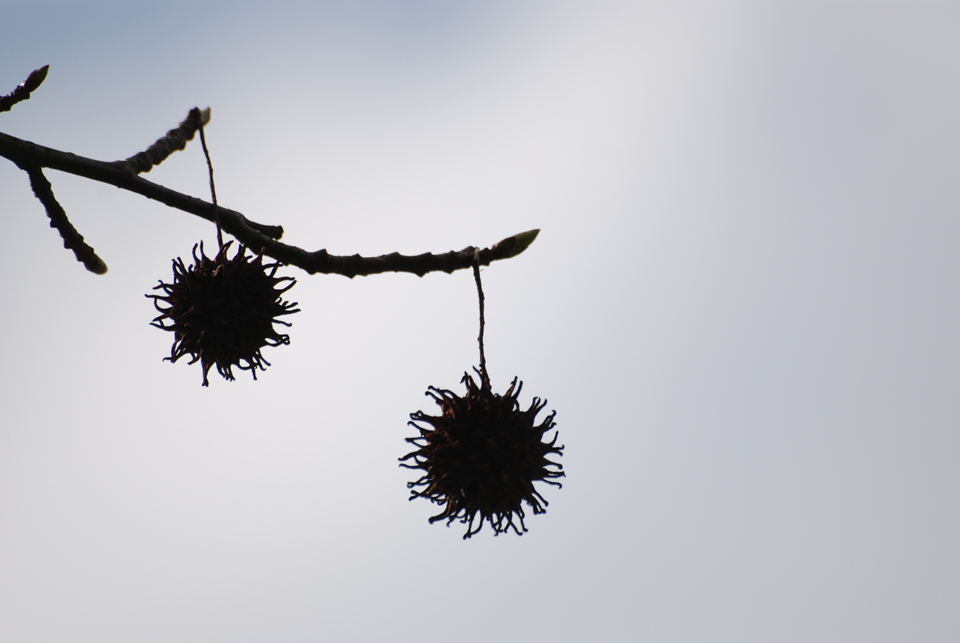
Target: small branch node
{"points": [[24, 89]]}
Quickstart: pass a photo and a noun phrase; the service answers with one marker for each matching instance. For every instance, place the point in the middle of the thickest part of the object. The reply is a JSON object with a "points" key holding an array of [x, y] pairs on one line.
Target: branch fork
{"points": [[32, 158]]}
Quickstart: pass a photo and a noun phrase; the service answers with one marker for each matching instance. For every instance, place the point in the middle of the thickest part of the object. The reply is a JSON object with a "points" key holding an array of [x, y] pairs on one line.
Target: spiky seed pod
{"points": [[481, 456], [222, 310]]}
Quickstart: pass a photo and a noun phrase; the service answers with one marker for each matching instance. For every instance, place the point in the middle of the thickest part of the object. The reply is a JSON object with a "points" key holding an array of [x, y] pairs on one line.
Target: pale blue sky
{"points": [[742, 305]]}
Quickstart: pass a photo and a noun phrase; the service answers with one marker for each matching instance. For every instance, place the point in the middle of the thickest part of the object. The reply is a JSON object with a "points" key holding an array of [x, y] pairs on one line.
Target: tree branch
{"points": [[174, 140], [256, 236], [72, 240]]}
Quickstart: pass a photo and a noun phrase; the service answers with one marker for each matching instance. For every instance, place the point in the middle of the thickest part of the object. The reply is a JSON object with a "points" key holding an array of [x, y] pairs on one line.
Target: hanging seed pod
{"points": [[222, 311], [481, 457]]}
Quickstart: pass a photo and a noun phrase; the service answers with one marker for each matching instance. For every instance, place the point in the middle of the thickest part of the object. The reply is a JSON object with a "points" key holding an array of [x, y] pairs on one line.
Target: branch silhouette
{"points": [[480, 457], [125, 175]]}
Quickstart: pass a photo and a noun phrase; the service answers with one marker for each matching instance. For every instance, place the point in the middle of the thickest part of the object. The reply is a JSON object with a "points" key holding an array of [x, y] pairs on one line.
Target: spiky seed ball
{"points": [[481, 456], [222, 310]]}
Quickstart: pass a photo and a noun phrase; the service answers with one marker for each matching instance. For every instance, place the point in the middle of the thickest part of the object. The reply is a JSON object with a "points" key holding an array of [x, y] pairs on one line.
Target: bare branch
{"points": [[72, 240], [24, 89], [174, 140], [255, 235]]}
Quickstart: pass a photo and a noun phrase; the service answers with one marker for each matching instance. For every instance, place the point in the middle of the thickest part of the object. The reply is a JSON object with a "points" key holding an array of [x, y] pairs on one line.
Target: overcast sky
{"points": [[743, 307]]}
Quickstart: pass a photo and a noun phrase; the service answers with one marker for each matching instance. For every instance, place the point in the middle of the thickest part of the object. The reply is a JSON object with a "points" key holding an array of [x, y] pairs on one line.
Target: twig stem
{"points": [[195, 112], [483, 360], [72, 240]]}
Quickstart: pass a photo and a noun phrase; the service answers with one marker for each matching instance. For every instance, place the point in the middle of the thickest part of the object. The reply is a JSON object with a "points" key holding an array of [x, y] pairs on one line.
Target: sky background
{"points": [[742, 305]]}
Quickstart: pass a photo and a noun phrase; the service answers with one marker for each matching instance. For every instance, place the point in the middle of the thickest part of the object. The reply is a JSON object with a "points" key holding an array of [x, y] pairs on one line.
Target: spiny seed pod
{"points": [[222, 310], [481, 457]]}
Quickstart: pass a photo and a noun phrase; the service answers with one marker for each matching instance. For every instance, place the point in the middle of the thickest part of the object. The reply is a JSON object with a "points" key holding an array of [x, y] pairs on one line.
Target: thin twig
{"points": [[72, 240], [483, 360], [195, 113], [173, 141], [24, 89]]}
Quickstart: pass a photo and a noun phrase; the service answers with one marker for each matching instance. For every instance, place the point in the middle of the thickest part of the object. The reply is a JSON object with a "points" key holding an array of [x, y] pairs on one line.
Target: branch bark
{"points": [[256, 236], [31, 157], [72, 240]]}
